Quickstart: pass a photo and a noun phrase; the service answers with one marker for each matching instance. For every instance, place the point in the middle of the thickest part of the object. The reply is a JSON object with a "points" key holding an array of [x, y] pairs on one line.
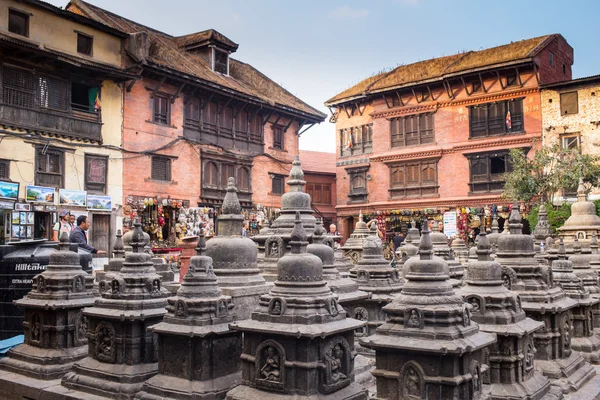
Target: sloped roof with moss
{"points": [[168, 52], [438, 68]]}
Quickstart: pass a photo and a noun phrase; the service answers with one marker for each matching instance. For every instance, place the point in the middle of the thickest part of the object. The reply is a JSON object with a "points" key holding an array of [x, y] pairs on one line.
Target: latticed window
{"points": [[18, 87], [498, 118], [256, 129], [161, 168], [278, 137], [161, 110], [191, 113], [5, 169], [50, 167], [226, 121], [243, 179], [278, 184], [356, 140], [241, 124], [416, 179], [211, 174], [96, 168], [227, 171], [53, 93], [412, 130], [488, 169], [358, 184], [320, 193]]}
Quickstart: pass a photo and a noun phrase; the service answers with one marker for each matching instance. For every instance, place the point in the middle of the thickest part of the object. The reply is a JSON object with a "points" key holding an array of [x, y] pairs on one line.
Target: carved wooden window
{"points": [[85, 44], [243, 179], [278, 137], [162, 110], [5, 169], [191, 113], [356, 140], [241, 125], [209, 117], [569, 103], [211, 174], [497, 118], [96, 168], [412, 130], [18, 22], [221, 62], [358, 184], [53, 93], [161, 168], [320, 193], [227, 171], [50, 167], [487, 170], [226, 121], [415, 179], [256, 129], [278, 184], [18, 87]]}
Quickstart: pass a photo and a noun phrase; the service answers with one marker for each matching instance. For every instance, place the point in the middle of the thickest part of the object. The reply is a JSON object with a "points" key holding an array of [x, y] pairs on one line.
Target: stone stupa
{"points": [[273, 241], [582, 327], [542, 230], [545, 302], [443, 250], [114, 264], [460, 250], [429, 347], [235, 257], [583, 222], [353, 246], [121, 348], [409, 247], [299, 343], [497, 310], [54, 327], [493, 236], [194, 338]]}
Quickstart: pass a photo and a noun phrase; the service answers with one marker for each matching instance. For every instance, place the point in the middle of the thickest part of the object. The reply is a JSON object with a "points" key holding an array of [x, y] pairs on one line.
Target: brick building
{"points": [[319, 174], [434, 135], [60, 120], [196, 116], [571, 115]]}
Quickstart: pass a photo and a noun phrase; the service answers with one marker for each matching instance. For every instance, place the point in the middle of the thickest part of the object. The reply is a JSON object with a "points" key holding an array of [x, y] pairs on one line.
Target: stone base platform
{"points": [[589, 347], [352, 392], [536, 388], [569, 374], [363, 366], [246, 298], [163, 387], [43, 364]]}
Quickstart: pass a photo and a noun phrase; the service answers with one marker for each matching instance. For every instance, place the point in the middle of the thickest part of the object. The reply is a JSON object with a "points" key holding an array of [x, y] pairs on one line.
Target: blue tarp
{"points": [[7, 344]]}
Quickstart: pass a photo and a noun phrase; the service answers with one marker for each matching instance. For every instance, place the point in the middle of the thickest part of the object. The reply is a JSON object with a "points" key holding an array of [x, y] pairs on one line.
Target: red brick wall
{"points": [[563, 54]]}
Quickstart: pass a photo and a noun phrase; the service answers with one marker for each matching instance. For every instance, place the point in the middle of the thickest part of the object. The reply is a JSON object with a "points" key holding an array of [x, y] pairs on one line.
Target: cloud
{"points": [[346, 13]]}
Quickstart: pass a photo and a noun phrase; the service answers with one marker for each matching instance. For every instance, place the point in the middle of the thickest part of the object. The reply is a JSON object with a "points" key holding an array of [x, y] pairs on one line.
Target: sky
{"points": [[316, 49]]}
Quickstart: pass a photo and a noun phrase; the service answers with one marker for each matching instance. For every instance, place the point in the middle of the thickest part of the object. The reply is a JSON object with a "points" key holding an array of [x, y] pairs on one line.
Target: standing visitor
{"points": [[79, 235], [61, 226]]}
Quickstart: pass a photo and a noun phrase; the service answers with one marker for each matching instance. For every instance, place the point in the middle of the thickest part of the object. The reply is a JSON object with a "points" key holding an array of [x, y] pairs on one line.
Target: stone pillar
{"points": [[299, 343]]}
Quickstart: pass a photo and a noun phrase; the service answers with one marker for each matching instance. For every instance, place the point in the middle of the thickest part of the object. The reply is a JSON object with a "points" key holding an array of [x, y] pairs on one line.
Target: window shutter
{"points": [[569, 103]]}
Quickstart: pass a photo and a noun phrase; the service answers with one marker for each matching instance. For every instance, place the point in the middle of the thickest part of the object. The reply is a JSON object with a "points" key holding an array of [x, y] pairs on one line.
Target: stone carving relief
{"points": [[79, 284], [336, 362], [274, 247], [363, 276], [270, 362], [81, 328], [277, 306], [35, 328], [222, 308], [529, 356], [361, 314], [332, 307], [477, 381], [566, 332], [466, 316], [486, 375], [105, 342], [509, 277], [413, 319], [115, 286], [156, 286], [41, 284], [477, 304], [412, 383], [180, 309]]}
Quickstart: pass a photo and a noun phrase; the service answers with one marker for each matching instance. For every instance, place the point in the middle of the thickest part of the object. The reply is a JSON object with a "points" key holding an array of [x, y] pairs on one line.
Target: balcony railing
{"points": [[80, 122]]}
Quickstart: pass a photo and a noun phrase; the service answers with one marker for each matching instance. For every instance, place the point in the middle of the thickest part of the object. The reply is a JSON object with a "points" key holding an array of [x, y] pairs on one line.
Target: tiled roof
{"points": [[317, 161], [438, 68], [167, 52]]}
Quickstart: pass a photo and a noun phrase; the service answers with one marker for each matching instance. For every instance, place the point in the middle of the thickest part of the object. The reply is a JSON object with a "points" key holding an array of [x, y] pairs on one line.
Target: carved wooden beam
{"points": [[387, 103], [288, 125], [448, 88], [268, 117], [430, 94], [399, 96], [465, 86], [190, 97], [307, 128], [500, 80], [535, 72], [358, 108], [482, 84], [240, 110], [346, 110], [519, 76], [176, 95], [130, 85], [251, 118], [204, 103], [157, 87], [224, 105], [416, 97]]}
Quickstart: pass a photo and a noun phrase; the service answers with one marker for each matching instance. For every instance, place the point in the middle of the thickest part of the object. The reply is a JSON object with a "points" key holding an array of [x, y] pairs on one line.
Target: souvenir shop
{"points": [[256, 217]]}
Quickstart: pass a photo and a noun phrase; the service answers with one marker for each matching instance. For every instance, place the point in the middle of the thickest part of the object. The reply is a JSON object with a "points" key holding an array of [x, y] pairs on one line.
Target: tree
{"points": [[551, 170]]}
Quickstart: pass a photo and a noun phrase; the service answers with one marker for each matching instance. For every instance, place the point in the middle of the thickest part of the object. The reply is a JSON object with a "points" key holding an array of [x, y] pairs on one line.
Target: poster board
{"points": [[450, 224]]}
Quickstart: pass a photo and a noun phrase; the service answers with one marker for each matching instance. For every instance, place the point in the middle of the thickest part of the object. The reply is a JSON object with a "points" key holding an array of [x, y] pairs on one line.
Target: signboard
{"points": [[99, 203], [450, 224], [9, 190], [72, 197], [40, 194]]}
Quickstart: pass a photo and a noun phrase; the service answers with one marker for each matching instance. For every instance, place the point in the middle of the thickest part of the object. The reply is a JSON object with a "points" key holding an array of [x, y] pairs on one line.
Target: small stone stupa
{"points": [[376, 276], [493, 236], [122, 352], [497, 310], [542, 230], [353, 246], [460, 250], [443, 250], [429, 347], [166, 275], [595, 255], [583, 222], [584, 340], [408, 248], [299, 343], [273, 241], [235, 257], [198, 355], [114, 264], [583, 268], [55, 329], [346, 289], [542, 301]]}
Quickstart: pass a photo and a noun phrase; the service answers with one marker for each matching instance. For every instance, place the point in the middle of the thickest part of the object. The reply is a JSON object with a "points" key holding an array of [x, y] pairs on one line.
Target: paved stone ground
{"points": [[587, 391]]}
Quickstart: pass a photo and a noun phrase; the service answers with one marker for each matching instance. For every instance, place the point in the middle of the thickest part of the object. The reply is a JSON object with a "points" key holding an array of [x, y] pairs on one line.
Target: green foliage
{"points": [[556, 215], [532, 217]]}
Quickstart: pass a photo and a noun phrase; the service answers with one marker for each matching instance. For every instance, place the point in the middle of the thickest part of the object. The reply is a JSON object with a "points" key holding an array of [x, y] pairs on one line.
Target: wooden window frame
{"points": [[168, 169], [95, 187], [278, 137], [238, 180], [218, 66], [572, 135], [5, 166], [564, 108], [399, 130], [413, 188], [157, 115], [317, 192], [488, 182], [357, 194], [551, 59], [43, 152], [84, 36], [362, 146], [279, 187], [23, 14], [489, 123]]}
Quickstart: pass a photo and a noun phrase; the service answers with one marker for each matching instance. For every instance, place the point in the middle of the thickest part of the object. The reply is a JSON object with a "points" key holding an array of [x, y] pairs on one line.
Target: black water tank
{"points": [[19, 263]]}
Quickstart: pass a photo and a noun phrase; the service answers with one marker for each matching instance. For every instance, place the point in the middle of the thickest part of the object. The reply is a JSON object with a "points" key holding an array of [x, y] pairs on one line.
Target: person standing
{"points": [[61, 226], [398, 240], [79, 235]]}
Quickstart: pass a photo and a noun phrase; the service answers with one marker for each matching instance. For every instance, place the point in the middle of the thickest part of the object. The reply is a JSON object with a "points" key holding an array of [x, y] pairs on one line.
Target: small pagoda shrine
{"points": [[497, 310], [114, 264], [273, 241], [121, 346], [353, 246], [429, 348], [583, 222], [582, 326], [299, 343], [443, 250], [582, 267], [235, 257], [460, 250], [54, 327], [408, 248], [376, 276], [542, 230], [194, 338], [542, 301], [493, 236], [346, 289]]}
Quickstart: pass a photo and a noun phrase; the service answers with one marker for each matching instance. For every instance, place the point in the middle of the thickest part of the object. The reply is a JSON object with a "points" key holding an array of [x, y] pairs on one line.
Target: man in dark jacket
{"points": [[79, 235]]}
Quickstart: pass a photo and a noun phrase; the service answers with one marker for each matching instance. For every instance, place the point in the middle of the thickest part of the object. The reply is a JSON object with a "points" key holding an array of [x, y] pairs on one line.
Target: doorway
{"points": [[100, 236]]}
